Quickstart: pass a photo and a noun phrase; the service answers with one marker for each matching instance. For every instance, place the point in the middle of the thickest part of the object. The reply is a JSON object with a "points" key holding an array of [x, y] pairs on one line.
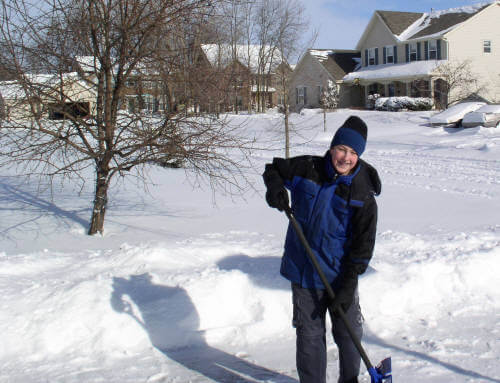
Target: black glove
{"points": [[344, 297], [277, 198]]}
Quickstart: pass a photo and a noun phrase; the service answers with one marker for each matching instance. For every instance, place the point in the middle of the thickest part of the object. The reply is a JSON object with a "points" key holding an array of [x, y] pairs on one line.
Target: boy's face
{"points": [[344, 159]]}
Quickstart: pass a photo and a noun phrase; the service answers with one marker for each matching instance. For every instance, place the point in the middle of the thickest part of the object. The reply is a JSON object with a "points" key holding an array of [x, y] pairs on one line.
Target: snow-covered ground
{"points": [[180, 289]]}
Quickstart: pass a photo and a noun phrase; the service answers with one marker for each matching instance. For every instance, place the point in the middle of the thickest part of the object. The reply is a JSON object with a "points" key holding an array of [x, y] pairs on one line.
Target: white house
{"points": [[403, 51]]}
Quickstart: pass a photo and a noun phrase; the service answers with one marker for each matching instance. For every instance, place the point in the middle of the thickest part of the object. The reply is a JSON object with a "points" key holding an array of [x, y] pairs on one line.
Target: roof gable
{"points": [[398, 22], [336, 62]]}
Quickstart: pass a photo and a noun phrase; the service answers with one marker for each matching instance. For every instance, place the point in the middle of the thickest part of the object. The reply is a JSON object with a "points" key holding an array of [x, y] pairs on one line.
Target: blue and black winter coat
{"points": [[338, 215]]}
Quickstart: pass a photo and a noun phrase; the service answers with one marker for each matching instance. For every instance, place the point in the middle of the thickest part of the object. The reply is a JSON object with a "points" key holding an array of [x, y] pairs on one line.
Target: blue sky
{"points": [[340, 23]]}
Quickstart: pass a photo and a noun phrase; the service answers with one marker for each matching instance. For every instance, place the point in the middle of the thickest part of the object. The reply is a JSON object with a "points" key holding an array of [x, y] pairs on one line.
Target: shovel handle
{"points": [[340, 312]]}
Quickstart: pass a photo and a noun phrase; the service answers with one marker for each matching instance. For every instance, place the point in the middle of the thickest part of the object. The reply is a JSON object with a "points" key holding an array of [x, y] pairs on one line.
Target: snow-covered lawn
{"points": [[182, 289]]}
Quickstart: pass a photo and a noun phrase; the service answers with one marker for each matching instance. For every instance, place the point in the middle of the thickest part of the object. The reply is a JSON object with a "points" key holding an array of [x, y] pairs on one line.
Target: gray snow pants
{"points": [[309, 315]]}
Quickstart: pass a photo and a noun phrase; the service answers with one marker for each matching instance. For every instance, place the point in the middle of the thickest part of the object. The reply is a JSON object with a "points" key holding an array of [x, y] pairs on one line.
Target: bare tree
{"points": [[457, 81], [122, 42], [329, 99], [291, 27]]}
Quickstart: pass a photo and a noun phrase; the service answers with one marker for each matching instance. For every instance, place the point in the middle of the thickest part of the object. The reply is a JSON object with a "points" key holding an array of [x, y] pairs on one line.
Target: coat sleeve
{"points": [[361, 244], [363, 234], [281, 171]]}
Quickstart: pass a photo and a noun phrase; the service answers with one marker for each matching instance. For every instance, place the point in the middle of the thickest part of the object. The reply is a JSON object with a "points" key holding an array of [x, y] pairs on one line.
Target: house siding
{"points": [[378, 37], [310, 75], [466, 43]]}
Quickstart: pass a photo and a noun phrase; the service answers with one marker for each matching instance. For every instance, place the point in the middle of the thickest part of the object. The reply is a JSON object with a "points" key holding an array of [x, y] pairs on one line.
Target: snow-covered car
{"points": [[454, 114], [487, 115]]}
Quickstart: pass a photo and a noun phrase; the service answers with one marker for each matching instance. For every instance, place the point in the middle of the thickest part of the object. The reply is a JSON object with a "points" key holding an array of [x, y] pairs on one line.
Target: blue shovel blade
{"points": [[382, 373]]}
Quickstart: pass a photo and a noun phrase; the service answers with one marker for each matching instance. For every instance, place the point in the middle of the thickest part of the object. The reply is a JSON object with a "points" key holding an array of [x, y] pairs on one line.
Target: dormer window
{"points": [[432, 50], [413, 52]]}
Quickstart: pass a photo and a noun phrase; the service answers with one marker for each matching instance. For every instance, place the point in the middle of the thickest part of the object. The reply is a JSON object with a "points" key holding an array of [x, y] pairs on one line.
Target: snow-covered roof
{"points": [[436, 23], [321, 54], [413, 25], [251, 56], [11, 90], [14, 90], [88, 63], [395, 71]]}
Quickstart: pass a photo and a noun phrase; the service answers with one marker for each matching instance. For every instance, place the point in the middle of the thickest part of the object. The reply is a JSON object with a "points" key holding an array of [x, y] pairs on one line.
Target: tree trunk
{"points": [[324, 119], [100, 202]]}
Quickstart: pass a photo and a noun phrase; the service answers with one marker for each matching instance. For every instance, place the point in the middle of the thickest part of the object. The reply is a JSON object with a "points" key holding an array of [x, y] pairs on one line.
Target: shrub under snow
{"points": [[407, 103]]}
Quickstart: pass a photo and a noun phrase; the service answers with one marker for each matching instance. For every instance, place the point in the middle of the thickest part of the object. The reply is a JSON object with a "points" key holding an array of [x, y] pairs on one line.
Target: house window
{"points": [[320, 94], [389, 54], [131, 104], [432, 50], [301, 95], [371, 56], [487, 46], [413, 52]]}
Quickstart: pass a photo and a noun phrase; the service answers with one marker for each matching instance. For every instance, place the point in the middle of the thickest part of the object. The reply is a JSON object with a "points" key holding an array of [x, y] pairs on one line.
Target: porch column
{"points": [[431, 87]]}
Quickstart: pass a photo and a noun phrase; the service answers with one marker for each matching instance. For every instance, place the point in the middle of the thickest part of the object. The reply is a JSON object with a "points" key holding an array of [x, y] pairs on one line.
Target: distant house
{"points": [[402, 52], [47, 96], [143, 92], [312, 74], [248, 75]]}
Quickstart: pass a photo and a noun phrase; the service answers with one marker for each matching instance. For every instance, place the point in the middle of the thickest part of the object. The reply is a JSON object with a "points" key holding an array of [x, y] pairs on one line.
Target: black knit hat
{"points": [[352, 133]]}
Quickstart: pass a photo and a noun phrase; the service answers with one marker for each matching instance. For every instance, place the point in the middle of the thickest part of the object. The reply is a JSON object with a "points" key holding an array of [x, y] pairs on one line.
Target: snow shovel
{"points": [[380, 374]]}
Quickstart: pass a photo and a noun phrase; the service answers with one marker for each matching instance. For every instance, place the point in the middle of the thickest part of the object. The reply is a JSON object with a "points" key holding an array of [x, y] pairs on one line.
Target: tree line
{"points": [[125, 57]]}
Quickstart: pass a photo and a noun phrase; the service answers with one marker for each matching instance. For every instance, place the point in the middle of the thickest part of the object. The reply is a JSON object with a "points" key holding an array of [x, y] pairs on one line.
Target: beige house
{"points": [[316, 69], [47, 96], [403, 51]]}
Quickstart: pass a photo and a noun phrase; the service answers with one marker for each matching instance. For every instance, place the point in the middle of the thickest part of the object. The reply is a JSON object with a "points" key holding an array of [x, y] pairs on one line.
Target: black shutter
{"points": [[385, 52], [407, 49], [395, 54], [296, 96], [419, 55], [305, 95], [439, 49], [426, 50], [376, 56], [366, 57]]}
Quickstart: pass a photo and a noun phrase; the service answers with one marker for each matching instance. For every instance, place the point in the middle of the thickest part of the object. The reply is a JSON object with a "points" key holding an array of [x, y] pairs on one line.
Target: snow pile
{"points": [[181, 289]]}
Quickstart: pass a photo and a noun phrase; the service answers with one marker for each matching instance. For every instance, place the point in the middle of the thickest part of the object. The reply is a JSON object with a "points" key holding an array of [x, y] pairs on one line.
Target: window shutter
{"points": [[376, 56], [366, 57], [305, 95], [296, 96], [426, 50], [439, 49], [395, 54], [385, 58], [407, 49], [419, 55]]}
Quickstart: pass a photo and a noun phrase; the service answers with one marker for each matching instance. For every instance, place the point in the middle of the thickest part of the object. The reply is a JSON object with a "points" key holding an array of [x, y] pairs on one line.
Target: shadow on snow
{"points": [[170, 319]]}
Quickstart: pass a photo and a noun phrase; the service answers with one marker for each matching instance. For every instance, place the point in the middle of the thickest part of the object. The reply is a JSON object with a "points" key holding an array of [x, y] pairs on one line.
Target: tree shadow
{"points": [[10, 194], [263, 271], [170, 319], [373, 339]]}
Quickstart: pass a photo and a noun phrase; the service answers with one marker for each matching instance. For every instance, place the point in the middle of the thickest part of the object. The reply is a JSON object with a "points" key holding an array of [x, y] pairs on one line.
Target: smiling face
{"points": [[344, 159]]}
